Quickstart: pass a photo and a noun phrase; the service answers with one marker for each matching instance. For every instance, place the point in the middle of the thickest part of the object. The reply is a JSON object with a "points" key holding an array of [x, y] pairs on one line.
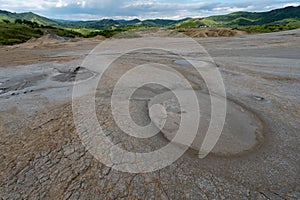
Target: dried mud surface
{"points": [[42, 157]]}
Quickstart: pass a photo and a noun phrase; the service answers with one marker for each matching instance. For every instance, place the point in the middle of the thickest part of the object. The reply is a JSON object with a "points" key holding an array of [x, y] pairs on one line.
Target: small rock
{"points": [[259, 98], [68, 150], [106, 170]]}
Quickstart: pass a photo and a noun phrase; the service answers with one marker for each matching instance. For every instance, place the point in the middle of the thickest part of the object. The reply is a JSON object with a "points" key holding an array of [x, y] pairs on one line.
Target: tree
{"points": [[18, 21], [6, 21]]}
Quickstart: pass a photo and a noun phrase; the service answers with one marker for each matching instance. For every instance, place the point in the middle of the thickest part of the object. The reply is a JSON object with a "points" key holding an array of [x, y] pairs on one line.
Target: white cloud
{"points": [[61, 3], [233, 9], [144, 9], [28, 5], [291, 4]]}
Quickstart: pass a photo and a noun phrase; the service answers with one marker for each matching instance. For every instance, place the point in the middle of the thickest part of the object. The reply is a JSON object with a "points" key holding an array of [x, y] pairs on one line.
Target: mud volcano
{"points": [[70, 75], [242, 129]]}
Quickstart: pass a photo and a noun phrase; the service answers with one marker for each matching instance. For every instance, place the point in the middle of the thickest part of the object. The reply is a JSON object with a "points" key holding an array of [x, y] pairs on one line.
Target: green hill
{"points": [[129, 22], [14, 33], [283, 16], [104, 24], [157, 22], [5, 15], [19, 27]]}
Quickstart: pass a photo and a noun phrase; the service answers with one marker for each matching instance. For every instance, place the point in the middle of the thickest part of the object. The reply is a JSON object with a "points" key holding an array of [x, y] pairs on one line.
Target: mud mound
{"points": [[96, 38], [212, 32], [99, 37], [193, 32], [48, 38]]}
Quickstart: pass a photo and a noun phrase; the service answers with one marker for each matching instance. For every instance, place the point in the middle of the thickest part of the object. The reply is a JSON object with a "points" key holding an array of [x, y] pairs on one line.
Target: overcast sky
{"points": [[142, 9]]}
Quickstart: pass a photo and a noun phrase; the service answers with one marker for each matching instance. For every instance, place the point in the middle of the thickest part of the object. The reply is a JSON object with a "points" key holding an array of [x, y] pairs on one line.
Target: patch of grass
{"points": [[111, 32], [22, 30], [83, 31], [290, 21], [127, 34], [63, 32], [15, 33], [267, 28]]}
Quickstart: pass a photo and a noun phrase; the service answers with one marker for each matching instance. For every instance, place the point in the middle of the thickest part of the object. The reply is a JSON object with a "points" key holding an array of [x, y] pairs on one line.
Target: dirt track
{"points": [[41, 155]]}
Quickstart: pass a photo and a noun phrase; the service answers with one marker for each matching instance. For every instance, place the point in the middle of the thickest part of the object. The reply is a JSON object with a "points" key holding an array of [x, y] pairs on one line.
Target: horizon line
{"points": [[136, 18]]}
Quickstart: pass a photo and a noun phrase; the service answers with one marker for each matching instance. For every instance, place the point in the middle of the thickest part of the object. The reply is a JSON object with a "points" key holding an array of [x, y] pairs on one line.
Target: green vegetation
{"points": [[157, 23], [104, 24], [83, 31], [267, 28], [109, 33], [127, 34], [23, 30], [124, 32], [16, 33], [284, 16], [29, 16], [191, 23], [20, 27]]}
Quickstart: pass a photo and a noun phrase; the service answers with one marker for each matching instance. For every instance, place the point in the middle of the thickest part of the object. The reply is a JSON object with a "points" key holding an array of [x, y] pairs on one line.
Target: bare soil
{"points": [[42, 157]]}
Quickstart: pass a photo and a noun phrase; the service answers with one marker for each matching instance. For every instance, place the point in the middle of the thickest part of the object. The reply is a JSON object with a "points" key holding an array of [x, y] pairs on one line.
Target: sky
{"points": [[142, 9]]}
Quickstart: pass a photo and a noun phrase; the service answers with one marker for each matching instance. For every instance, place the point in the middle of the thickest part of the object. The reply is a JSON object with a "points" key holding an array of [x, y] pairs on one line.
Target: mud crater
{"points": [[78, 73], [242, 130]]}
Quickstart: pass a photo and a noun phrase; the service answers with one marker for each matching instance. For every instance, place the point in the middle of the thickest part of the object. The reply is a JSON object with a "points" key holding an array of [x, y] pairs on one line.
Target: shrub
{"points": [[6, 21], [18, 21]]}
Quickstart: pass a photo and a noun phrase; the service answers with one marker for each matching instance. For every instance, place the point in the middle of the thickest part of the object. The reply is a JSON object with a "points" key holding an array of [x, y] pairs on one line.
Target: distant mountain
{"points": [[283, 16], [158, 22], [128, 22], [95, 24]]}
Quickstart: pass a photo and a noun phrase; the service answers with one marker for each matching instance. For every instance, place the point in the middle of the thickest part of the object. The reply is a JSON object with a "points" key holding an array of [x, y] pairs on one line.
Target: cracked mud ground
{"points": [[42, 157]]}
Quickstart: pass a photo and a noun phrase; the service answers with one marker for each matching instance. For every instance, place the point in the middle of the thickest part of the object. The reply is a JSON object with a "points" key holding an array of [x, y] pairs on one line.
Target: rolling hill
{"points": [[283, 16], [5, 15], [19, 27]]}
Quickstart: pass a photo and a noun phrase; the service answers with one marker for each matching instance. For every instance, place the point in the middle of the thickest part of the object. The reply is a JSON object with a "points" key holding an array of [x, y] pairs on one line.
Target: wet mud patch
{"points": [[74, 74], [17, 84]]}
